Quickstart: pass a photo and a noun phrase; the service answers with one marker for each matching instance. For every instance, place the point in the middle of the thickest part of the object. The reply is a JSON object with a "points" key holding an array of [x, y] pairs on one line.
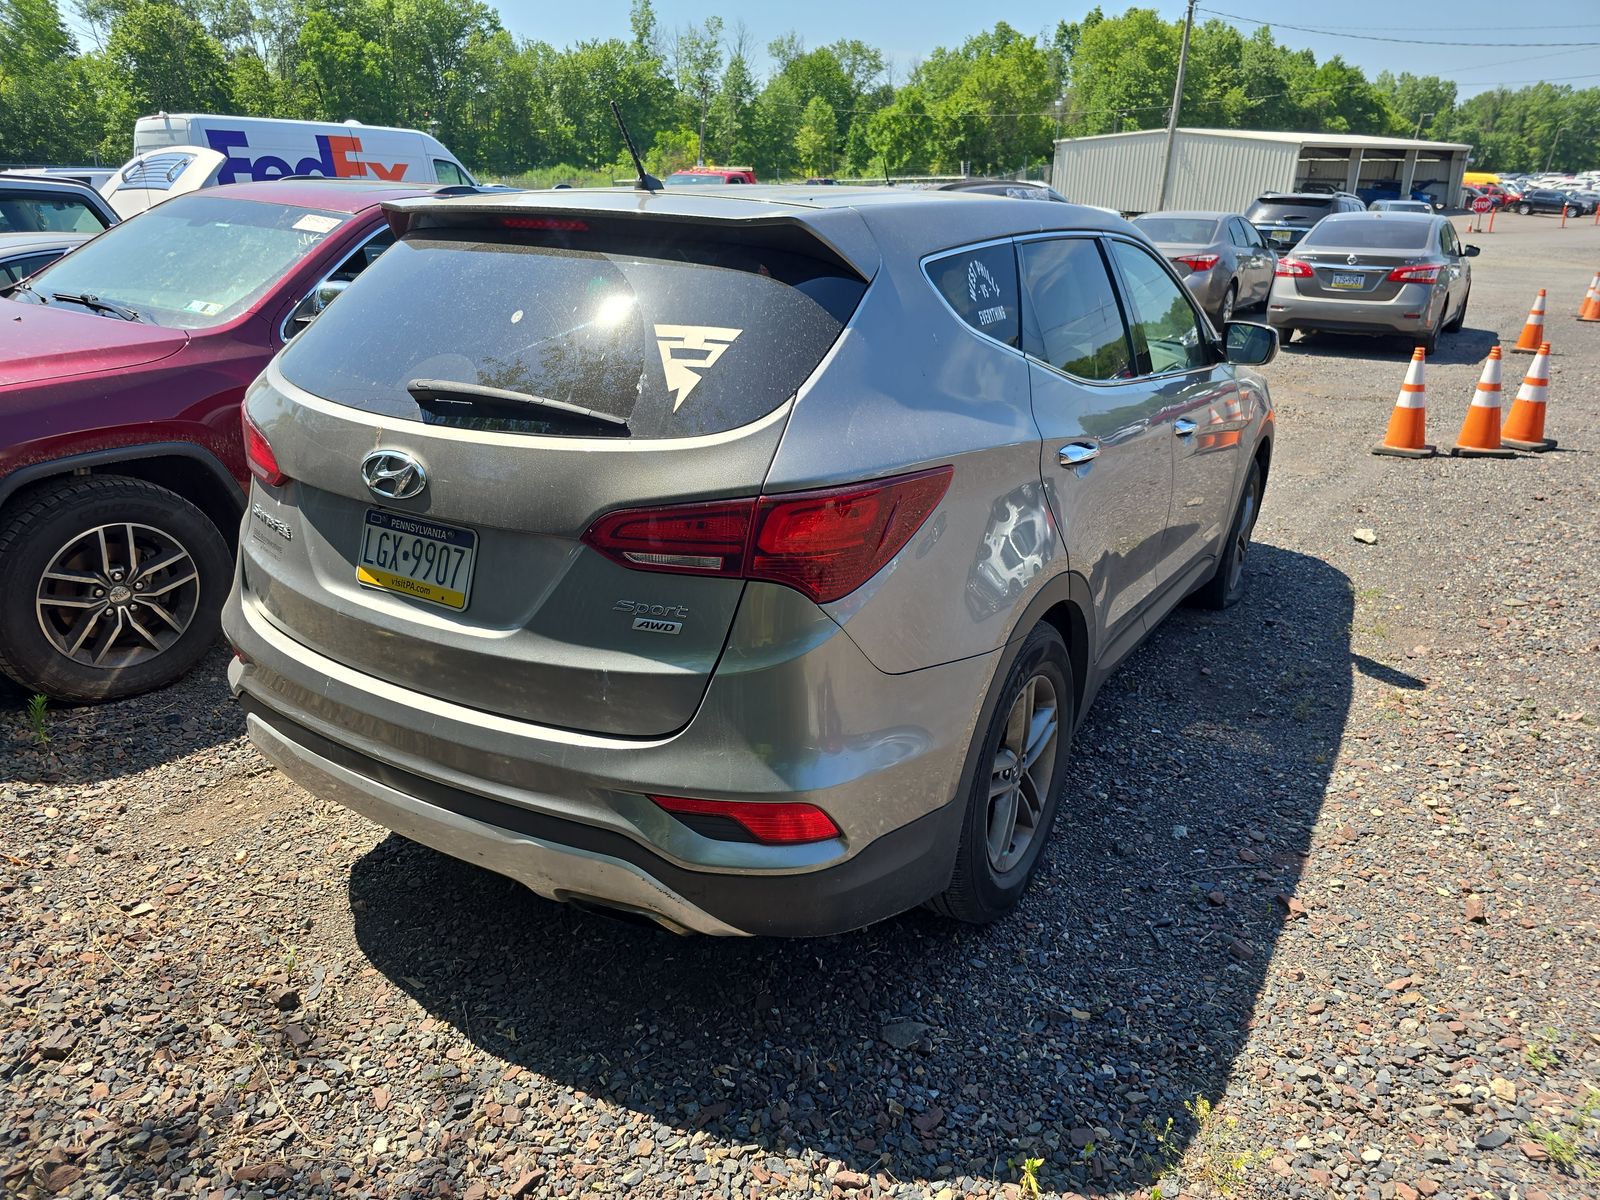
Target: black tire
{"points": [[1525, 209], [1454, 326], [1429, 342], [54, 526], [979, 892], [1230, 304], [1225, 588]]}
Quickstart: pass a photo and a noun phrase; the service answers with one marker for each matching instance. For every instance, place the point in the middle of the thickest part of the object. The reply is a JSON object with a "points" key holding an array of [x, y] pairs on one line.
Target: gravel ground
{"points": [[1319, 917]]}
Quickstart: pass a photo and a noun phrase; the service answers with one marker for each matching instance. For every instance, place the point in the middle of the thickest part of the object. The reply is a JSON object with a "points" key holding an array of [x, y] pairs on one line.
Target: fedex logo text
{"points": [[333, 160]]}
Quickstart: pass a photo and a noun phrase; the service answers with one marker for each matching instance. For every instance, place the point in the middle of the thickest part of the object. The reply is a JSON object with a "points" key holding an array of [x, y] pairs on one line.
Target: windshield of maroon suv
{"points": [[190, 263]]}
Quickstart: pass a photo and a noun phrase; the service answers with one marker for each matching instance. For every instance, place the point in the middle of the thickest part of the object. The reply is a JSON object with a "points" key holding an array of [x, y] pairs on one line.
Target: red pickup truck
{"points": [[714, 175]]}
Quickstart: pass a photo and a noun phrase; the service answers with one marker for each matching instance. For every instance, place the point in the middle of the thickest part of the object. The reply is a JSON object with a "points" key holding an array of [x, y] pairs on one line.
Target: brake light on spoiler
{"points": [[824, 543]]}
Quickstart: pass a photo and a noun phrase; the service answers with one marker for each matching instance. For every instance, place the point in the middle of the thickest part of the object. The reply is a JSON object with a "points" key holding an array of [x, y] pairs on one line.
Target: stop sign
{"points": [[1482, 204]]}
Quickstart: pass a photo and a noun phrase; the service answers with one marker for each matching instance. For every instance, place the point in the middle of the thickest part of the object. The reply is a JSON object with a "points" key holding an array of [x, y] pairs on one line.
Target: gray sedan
{"points": [[1391, 274], [1226, 265]]}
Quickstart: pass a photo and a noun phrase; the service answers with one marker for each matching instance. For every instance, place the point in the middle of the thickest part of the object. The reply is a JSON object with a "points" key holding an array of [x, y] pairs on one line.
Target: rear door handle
{"points": [[1075, 454], [1183, 427]]}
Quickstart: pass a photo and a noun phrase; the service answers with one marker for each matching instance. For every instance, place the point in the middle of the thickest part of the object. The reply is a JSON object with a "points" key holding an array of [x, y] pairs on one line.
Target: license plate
{"points": [[1285, 236], [418, 558], [1349, 281]]}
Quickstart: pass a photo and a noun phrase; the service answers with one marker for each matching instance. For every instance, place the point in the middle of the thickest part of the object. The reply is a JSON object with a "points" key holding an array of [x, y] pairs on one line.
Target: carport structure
{"points": [[1228, 168]]}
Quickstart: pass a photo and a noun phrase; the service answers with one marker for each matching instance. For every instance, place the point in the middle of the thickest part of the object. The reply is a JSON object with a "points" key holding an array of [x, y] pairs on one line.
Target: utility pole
{"points": [[1420, 120], [1172, 117]]}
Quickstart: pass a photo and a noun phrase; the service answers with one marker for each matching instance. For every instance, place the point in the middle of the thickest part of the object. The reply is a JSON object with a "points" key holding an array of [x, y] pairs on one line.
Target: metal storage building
{"points": [[1228, 168]]}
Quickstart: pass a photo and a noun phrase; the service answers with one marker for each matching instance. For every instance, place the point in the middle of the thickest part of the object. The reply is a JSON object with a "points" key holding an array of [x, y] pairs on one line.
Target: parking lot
{"points": [[1318, 916]]}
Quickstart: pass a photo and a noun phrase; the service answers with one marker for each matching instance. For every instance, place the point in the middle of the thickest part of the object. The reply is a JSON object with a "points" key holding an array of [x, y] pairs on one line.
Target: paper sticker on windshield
{"points": [[687, 351], [316, 223], [206, 308]]}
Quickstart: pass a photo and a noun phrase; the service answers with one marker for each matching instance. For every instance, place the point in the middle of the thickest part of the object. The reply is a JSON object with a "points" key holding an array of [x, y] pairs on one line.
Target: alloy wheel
{"points": [[117, 595], [1019, 780]]}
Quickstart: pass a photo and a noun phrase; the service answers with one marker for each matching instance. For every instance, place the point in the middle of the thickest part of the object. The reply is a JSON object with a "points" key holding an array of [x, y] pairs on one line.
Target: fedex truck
{"points": [[176, 153]]}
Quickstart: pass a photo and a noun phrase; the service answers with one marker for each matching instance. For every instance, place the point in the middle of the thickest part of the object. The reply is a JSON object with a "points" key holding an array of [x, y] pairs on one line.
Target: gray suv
{"points": [[742, 560]]}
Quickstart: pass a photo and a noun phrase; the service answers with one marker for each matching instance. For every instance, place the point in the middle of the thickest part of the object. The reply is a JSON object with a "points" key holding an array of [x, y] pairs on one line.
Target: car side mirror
{"points": [[313, 306], [1249, 344], [1471, 251]]}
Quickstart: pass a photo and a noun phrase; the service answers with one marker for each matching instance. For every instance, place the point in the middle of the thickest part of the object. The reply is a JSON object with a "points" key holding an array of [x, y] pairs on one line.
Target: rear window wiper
{"points": [[456, 397], [98, 305]]}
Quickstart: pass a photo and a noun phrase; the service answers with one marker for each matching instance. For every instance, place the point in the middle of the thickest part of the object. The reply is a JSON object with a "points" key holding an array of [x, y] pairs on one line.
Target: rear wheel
{"points": [[114, 588], [1454, 326], [1524, 208], [1016, 783], [1229, 302]]}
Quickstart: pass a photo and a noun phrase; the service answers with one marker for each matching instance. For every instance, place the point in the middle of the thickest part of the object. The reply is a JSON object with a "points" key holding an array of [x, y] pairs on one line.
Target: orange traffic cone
{"points": [[1524, 427], [1590, 309], [1407, 422], [1480, 432], [1532, 328]]}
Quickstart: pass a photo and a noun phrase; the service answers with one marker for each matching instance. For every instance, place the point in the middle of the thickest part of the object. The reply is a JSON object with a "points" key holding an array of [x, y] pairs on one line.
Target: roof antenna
{"points": [[647, 181]]}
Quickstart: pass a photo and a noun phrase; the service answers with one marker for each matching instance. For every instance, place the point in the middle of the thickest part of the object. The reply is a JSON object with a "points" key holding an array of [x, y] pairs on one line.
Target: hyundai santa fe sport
{"points": [[740, 559]]}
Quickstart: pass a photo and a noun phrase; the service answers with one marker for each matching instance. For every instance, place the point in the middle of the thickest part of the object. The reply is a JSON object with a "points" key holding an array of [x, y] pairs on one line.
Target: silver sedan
{"points": [[1392, 274], [1222, 259]]}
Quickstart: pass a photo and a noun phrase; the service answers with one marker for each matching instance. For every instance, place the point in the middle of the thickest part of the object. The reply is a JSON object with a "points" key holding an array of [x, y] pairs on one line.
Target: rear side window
{"points": [[40, 212], [19, 269], [676, 338], [1071, 318], [980, 283], [447, 172], [1296, 212]]}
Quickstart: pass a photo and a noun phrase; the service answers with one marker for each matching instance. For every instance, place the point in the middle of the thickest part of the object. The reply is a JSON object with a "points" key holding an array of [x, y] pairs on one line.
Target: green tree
{"points": [[815, 143], [696, 62], [163, 59]]}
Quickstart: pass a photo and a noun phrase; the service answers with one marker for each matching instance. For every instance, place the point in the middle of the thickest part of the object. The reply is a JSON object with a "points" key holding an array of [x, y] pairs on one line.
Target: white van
{"points": [[186, 151]]}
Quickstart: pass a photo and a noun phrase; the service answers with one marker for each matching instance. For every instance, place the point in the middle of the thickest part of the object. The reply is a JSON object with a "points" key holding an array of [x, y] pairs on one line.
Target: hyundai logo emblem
{"points": [[393, 475]]}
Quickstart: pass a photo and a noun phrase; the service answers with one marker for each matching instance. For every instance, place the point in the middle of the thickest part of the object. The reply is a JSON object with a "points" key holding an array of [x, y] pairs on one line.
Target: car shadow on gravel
{"points": [[1467, 345], [99, 742], [1083, 1030]]}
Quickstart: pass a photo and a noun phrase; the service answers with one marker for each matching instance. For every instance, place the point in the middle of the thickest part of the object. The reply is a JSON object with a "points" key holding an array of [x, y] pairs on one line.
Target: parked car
{"points": [[1497, 199], [39, 204], [1410, 206], [22, 254], [1017, 189], [1543, 200], [1587, 200], [1220, 256], [121, 470], [89, 176], [1375, 273], [1284, 217], [700, 176], [583, 546]]}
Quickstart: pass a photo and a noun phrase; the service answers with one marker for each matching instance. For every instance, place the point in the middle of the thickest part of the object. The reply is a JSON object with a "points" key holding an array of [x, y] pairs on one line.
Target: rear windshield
{"points": [[1192, 230], [676, 340], [1289, 211], [1399, 232]]}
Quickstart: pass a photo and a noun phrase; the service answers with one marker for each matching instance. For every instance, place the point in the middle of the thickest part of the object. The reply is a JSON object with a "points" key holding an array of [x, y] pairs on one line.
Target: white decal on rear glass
{"points": [[687, 351], [981, 287]]}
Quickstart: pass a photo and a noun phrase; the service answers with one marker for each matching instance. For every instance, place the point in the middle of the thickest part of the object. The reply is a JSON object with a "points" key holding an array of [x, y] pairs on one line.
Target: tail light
{"points": [[559, 224], [824, 544], [1198, 262], [1290, 267], [258, 454], [1414, 275], [773, 823]]}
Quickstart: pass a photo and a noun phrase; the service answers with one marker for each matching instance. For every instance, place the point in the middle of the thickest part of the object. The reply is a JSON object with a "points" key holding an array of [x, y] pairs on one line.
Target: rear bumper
{"points": [[568, 814], [1290, 310]]}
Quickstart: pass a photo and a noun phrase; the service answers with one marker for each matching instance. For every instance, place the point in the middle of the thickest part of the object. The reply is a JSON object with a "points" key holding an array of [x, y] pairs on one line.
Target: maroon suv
{"points": [[121, 466]]}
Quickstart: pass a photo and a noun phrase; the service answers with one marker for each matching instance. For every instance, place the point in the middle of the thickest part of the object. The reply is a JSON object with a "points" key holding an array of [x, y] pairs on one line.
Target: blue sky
{"points": [[909, 29]]}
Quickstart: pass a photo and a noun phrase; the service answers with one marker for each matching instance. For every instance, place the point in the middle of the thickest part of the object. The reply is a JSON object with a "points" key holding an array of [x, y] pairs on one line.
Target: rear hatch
{"points": [[519, 377], [1367, 258], [1186, 242], [1284, 220]]}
